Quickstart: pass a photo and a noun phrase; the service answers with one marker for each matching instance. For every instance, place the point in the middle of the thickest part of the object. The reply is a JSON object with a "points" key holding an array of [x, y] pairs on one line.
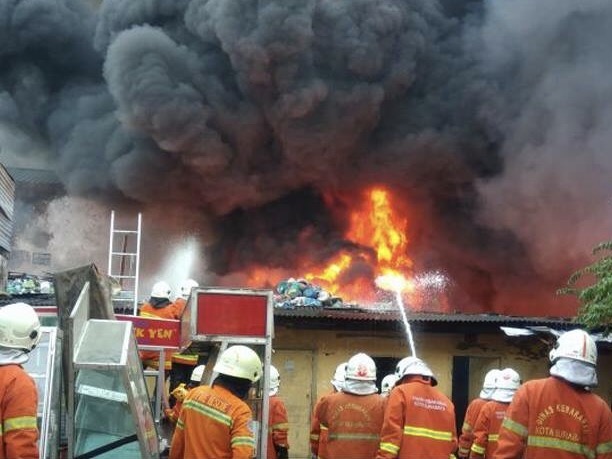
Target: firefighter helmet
{"points": [[274, 377], [414, 366], [388, 383], [197, 373], [577, 345], [361, 367], [241, 362], [161, 289], [490, 379], [19, 327], [339, 375], [507, 379], [186, 287]]}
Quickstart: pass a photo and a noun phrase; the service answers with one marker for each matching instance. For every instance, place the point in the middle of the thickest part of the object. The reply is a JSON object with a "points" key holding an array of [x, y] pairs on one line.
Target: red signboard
{"points": [[155, 332], [231, 314]]}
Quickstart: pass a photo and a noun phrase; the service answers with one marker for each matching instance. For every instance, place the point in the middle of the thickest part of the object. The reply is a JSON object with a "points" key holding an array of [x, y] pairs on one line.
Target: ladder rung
{"points": [[124, 253], [123, 277], [125, 231]]}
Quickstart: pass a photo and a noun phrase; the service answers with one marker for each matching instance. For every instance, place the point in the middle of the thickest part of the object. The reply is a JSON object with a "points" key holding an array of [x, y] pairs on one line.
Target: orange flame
{"points": [[376, 226]]}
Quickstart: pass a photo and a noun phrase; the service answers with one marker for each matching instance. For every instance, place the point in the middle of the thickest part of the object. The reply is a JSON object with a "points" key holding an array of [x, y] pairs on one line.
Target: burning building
{"points": [[272, 131]]}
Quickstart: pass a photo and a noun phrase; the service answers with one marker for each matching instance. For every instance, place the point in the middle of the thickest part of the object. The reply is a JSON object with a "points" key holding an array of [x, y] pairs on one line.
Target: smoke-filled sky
{"points": [[258, 122]]}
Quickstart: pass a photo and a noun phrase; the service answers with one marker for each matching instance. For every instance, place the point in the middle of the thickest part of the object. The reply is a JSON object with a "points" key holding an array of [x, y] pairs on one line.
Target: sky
{"points": [[253, 126]]}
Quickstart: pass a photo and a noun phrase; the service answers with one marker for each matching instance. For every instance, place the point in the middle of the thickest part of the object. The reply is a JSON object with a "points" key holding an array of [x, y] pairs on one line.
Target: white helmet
{"points": [[19, 327], [388, 383], [361, 367], [338, 379], [577, 345], [186, 287], [508, 379], [488, 384], [507, 382], [241, 362], [161, 289], [197, 373], [490, 379], [274, 377], [414, 366]]}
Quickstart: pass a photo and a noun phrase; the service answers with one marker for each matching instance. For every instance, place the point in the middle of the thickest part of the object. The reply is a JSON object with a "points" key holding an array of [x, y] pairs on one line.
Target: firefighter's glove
{"points": [[179, 392], [281, 452]]}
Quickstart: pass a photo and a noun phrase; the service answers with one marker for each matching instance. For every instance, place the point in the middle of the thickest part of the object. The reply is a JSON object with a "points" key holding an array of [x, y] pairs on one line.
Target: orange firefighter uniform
{"points": [[353, 425], [213, 424], [318, 432], [186, 358], [278, 430], [18, 405], [552, 418], [486, 429], [419, 422], [151, 358], [467, 430]]}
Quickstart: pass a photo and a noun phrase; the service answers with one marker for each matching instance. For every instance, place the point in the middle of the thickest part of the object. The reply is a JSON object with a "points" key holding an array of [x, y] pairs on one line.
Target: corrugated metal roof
{"points": [[392, 315], [7, 203], [33, 176], [7, 193]]}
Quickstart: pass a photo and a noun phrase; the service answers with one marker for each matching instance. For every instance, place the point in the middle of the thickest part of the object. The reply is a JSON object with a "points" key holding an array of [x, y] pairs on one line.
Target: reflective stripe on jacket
{"points": [[18, 407], [213, 424], [353, 424], [550, 418], [278, 429], [486, 429], [419, 423], [467, 430]]}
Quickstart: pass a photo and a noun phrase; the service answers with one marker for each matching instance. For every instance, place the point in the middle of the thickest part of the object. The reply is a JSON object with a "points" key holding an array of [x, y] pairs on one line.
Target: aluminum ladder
{"points": [[124, 264]]}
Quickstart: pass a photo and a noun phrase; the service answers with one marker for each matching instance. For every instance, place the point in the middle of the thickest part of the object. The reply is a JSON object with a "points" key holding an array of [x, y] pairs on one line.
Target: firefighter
{"points": [[183, 363], [180, 392], [159, 306], [559, 416], [488, 423], [184, 291], [19, 334], [318, 441], [473, 410], [387, 383], [214, 421], [354, 416], [278, 430], [419, 420]]}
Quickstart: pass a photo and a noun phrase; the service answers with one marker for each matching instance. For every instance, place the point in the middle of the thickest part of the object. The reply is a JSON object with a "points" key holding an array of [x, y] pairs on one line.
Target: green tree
{"points": [[596, 299]]}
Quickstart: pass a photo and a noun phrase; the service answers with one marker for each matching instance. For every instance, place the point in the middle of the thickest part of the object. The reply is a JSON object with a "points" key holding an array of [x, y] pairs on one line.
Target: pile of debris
{"points": [[292, 293], [26, 284]]}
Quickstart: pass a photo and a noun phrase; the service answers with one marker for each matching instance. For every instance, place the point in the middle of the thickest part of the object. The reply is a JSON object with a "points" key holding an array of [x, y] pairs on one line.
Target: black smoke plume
{"points": [[488, 119]]}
